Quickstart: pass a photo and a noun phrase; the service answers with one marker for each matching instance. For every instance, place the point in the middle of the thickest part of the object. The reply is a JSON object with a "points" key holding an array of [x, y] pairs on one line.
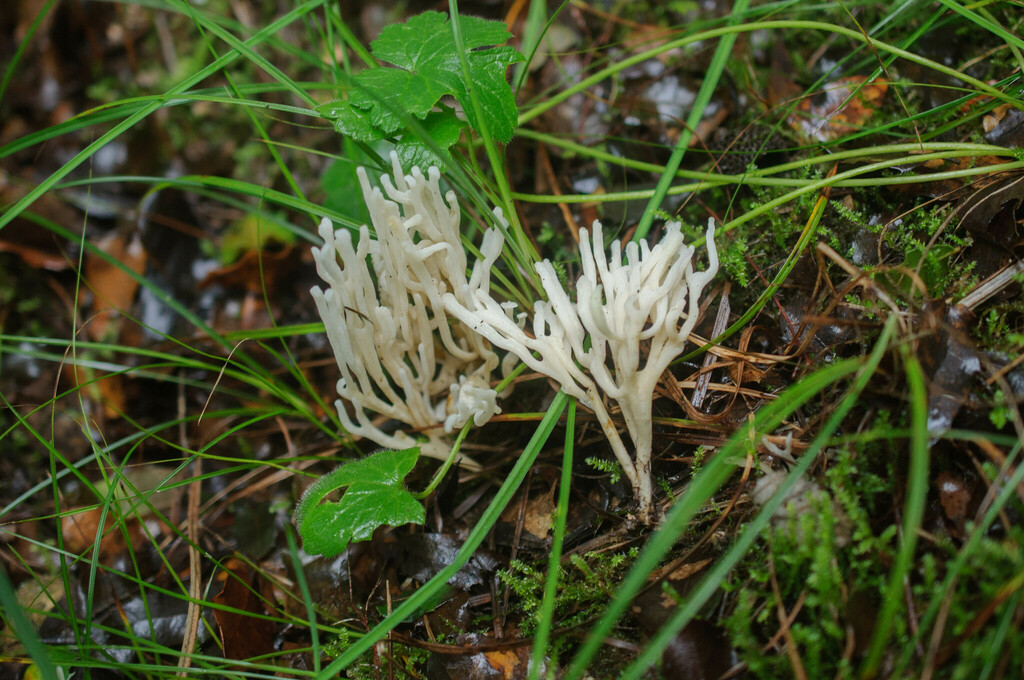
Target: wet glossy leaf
{"points": [[429, 68], [444, 128], [374, 495]]}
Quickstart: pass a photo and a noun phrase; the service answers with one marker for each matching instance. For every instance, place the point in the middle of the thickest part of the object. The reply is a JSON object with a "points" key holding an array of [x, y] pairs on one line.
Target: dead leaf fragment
{"points": [[243, 636], [112, 284], [954, 495], [1004, 126], [844, 106], [80, 528], [537, 515], [510, 663]]}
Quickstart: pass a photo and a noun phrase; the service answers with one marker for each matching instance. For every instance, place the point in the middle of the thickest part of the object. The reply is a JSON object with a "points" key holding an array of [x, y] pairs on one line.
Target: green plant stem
{"points": [[443, 470], [913, 512], [622, 65], [842, 179], [707, 88], [760, 176], [547, 607]]}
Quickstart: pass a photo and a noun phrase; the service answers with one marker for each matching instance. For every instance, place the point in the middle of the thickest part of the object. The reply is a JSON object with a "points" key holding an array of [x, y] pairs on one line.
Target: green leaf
{"points": [[351, 121], [386, 93], [375, 496], [428, 68], [252, 233], [444, 128], [340, 183]]}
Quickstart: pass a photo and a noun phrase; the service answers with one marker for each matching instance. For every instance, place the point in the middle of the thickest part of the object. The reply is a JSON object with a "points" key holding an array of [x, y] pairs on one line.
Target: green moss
{"points": [[583, 588]]}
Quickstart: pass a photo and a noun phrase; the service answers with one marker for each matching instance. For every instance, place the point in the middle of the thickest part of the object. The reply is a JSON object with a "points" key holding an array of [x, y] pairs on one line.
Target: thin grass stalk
{"points": [[619, 66], [913, 513], [547, 606], [700, 104]]}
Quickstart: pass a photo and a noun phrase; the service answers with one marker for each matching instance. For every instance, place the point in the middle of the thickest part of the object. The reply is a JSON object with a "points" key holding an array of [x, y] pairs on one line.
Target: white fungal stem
{"points": [[398, 352], [652, 297]]}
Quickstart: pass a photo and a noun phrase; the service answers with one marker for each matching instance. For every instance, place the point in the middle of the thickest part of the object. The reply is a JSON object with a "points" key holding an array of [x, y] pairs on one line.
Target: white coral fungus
{"points": [[399, 354], [649, 302]]}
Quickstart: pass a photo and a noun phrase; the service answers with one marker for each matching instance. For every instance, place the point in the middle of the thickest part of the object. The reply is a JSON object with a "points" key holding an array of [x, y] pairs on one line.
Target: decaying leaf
{"points": [[536, 516], [1004, 126], [844, 106], [950, 363], [954, 495], [422, 556], [80, 529], [112, 284], [494, 664], [243, 636]]}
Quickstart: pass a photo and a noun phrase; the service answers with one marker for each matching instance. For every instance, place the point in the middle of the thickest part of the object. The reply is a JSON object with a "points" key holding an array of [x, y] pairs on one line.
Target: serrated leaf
{"points": [[493, 91], [375, 495], [444, 128], [429, 68], [428, 35], [387, 92], [331, 109], [354, 122]]}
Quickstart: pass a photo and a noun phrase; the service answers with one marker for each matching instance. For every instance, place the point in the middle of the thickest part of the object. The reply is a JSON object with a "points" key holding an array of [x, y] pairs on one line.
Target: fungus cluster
{"points": [[629, 321], [401, 355]]}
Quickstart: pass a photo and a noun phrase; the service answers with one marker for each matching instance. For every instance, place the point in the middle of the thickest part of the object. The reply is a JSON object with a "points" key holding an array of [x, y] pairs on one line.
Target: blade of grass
{"points": [[841, 179], [547, 606], [264, 379], [136, 117], [808, 233], [243, 48], [759, 176], [234, 186], [16, 621], [705, 485], [913, 513], [984, 23], [495, 158], [979, 532], [619, 66], [307, 597], [534, 29], [23, 45]]}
